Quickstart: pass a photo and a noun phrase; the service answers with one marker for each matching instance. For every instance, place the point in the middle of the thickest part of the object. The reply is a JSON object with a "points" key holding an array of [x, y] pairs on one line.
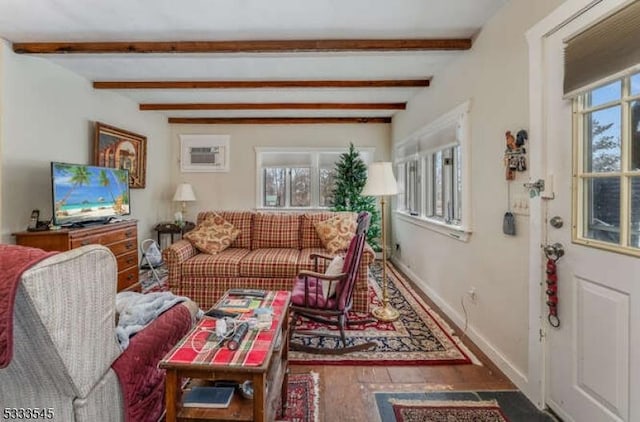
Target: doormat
{"points": [[302, 398], [419, 337], [463, 406], [447, 411]]}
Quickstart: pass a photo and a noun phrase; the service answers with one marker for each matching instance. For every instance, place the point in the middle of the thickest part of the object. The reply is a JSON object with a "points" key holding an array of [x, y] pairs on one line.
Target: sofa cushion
{"points": [[224, 264], [242, 220], [308, 235], [276, 230], [270, 262], [213, 235], [336, 232]]}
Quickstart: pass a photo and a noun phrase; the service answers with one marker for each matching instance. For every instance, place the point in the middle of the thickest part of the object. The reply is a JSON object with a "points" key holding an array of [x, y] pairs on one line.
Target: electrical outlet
{"points": [[473, 295]]}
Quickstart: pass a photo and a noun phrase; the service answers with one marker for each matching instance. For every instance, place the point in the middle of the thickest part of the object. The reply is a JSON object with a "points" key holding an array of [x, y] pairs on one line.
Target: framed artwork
{"points": [[121, 149], [204, 153]]}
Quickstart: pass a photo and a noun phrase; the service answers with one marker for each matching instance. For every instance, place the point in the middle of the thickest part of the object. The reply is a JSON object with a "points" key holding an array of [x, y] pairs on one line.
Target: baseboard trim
{"points": [[514, 374]]}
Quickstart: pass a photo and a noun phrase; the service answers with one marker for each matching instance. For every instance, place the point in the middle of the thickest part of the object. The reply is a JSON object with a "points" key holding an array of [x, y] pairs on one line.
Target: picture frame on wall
{"points": [[204, 153], [121, 149]]}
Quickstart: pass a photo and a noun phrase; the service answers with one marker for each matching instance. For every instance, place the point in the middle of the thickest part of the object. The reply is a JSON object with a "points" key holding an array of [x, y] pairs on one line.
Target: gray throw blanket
{"points": [[137, 310]]}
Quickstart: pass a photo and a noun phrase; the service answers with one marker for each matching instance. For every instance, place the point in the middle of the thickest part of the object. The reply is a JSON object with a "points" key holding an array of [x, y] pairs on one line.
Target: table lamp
{"points": [[184, 193], [380, 182]]}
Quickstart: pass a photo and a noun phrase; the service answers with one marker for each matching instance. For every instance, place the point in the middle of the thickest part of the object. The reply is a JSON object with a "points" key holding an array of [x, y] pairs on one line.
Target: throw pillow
{"points": [[336, 233], [214, 234], [334, 268]]}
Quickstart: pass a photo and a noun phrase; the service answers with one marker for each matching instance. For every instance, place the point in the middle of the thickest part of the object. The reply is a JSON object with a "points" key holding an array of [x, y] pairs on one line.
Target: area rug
{"points": [[302, 398], [419, 337], [408, 403], [447, 411]]}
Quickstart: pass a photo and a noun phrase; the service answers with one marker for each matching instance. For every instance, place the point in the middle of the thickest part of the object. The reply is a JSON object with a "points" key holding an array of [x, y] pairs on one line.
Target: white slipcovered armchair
{"points": [[64, 342]]}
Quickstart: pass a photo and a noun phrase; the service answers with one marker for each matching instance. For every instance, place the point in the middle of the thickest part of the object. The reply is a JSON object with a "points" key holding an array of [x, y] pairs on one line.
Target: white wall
{"points": [[237, 188], [49, 115], [494, 76]]}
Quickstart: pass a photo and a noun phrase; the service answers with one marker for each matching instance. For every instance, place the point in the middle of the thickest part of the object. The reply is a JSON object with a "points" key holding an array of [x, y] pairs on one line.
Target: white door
{"points": [[592, 370]]}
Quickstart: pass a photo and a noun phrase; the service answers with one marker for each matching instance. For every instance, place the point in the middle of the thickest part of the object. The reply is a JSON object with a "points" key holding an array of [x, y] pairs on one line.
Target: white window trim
{"points": [[459, 117], [315, 193]]}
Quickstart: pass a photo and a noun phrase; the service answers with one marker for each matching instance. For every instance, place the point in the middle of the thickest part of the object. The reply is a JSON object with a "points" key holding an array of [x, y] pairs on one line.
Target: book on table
{"points": [[235, 304], [210, 397]]}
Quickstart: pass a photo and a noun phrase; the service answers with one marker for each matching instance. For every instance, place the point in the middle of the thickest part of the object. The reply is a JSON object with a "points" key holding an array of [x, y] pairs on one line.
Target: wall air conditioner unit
{"points": [[204, 153]]}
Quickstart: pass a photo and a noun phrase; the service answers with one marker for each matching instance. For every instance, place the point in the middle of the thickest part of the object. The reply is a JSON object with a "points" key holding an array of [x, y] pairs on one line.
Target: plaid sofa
{"points": [[267, 254]]}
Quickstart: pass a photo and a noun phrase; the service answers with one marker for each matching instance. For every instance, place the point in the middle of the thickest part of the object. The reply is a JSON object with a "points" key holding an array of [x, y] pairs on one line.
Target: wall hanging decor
{"points": [[515, 153], [121, 149]]}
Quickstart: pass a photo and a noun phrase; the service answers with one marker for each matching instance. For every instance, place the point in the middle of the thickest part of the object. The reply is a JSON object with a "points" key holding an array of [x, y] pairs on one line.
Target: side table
{"points": [[172, 229]]}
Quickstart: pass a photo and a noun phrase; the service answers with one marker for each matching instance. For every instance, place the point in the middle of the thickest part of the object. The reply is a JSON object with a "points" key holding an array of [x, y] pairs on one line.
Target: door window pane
{"points": [[602, 132], [604, 94], [635, 84], [602, 209], [634, 223], [635, 135], [274, 187], [300, 187]]}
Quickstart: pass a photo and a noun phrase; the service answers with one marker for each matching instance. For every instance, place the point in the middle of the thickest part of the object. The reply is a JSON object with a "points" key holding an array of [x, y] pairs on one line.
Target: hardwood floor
{"points": [[346, 392]]}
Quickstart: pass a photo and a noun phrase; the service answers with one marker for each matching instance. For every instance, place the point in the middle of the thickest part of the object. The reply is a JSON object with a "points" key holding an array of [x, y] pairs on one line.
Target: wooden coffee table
{"points": [[261, 358]]}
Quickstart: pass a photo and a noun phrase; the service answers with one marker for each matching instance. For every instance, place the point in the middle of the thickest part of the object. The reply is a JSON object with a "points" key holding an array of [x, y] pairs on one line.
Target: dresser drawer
{"points": [[127, 260], [123, 247], [105, 238], [127, 278]]}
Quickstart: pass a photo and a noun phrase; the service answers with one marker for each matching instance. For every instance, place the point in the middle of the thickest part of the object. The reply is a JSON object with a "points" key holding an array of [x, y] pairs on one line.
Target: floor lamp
{"points": [[380, 182]]}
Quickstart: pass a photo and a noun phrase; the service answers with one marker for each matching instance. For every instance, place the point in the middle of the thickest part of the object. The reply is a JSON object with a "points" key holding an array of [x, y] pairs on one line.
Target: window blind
{"points": [[604, 49]]}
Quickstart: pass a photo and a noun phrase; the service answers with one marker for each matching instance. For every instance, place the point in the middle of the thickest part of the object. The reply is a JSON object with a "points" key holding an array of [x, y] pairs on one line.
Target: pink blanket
{"points": [[137, 369], [14, 260]]}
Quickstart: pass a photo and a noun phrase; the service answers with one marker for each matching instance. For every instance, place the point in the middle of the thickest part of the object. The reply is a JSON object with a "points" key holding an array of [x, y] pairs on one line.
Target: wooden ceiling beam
{"points": [[274, 106], [390, 83], [256, 46], [275, 120]]}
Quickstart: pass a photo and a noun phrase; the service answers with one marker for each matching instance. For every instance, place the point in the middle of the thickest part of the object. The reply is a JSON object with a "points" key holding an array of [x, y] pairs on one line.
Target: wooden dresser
{"points": [[121, 238]]}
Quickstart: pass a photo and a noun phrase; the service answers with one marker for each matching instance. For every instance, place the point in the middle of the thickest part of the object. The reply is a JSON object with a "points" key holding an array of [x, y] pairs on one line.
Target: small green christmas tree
{"points": [[351, 175]]}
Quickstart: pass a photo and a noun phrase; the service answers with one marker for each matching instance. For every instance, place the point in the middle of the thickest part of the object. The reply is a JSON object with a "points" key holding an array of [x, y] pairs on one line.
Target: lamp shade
{"points": [[380, 180], [184, 193]]}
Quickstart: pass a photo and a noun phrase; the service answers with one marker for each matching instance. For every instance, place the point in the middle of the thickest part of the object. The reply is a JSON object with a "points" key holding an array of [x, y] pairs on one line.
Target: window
{"points": [[431, 174], [607, 171], [298, 177]]}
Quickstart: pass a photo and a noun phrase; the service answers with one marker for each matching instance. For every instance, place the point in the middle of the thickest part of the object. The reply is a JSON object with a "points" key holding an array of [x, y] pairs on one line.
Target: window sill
{"points": [[455, 232]]}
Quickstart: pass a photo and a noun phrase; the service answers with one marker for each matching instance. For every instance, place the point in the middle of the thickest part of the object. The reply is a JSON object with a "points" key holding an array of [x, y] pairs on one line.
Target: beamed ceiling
{"points": [[252, 61]]}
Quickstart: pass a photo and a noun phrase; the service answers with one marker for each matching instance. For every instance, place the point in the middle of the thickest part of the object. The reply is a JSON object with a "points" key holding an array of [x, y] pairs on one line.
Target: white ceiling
{"points": [[222, 20]]}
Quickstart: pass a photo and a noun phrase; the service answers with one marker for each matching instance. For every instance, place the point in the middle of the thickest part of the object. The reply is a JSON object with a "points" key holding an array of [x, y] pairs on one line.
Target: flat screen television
{"points": [[83, 194]]}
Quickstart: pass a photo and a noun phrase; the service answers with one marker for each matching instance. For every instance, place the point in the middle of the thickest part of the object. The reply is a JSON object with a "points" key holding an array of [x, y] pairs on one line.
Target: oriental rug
{"points": [[446, 411], [397, 403], [302, 398], [419, 337]]}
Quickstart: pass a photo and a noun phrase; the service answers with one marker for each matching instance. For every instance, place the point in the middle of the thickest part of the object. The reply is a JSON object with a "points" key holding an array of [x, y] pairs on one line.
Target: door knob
{"points": [[556, 222], [554, 251]]}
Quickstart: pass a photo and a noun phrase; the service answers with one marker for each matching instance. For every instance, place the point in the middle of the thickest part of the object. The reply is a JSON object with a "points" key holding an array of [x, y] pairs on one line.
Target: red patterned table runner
{"points": [[253, 350]]}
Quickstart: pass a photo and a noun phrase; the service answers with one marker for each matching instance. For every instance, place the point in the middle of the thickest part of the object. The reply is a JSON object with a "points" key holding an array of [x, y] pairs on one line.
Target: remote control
{"points": [[247, 292], [218, 313]]}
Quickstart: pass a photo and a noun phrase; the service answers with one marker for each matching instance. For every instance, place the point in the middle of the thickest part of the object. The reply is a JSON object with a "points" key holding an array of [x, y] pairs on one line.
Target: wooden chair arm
{"points": [[309, 273], [320, 255]]}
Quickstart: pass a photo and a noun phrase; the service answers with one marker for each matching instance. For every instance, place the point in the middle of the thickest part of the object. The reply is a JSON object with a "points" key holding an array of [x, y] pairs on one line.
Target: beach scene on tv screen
{"points": [[82, 193]]}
